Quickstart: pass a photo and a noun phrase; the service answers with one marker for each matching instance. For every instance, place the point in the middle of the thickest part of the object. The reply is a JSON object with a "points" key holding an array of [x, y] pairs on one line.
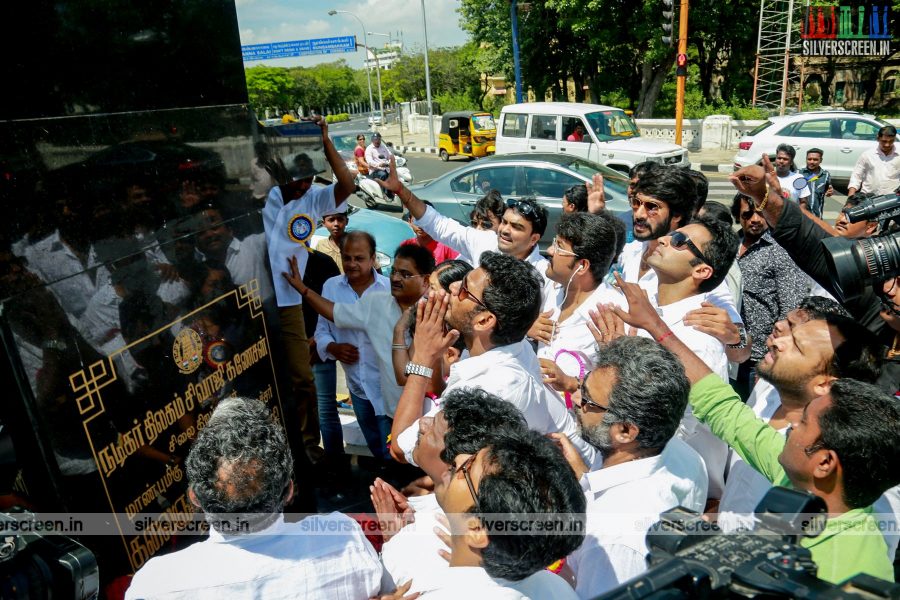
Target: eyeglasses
{"points": [[524, 207], [748, 214], [481, 224], [464, 293], [403, 275], [465, 471], [586, 398], [561, 251], [679, 241], [808, 451], [651, 207]]}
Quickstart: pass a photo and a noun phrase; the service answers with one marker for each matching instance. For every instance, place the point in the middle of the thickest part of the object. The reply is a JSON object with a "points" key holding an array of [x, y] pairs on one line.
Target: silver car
{"points": [[544, 176], [841, 135]]}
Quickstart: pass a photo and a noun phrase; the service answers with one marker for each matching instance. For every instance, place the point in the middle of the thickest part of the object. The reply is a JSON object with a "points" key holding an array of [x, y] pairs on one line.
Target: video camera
{"points": [[854, 264], [691, 558], [36, 567]]}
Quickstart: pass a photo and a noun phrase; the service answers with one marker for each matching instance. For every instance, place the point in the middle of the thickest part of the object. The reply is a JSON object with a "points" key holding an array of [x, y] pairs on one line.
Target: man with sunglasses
{"points": [[689, 264], [492, 308], [773, 285], [844, 448], [376, 313], [290, 215], [662, 200], [630, 407]]}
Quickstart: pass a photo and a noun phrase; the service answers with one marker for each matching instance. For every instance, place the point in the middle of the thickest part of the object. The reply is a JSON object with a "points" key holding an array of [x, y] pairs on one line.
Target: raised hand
{"points": [[596, 200], [641, 313], [392, 508], [714, 321], [431, 340], [392, 183], [606, 326], [294, 277]]}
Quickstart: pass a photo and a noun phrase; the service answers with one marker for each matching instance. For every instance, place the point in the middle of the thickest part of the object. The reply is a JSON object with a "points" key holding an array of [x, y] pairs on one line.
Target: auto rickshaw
{"points": [[468, 133]]}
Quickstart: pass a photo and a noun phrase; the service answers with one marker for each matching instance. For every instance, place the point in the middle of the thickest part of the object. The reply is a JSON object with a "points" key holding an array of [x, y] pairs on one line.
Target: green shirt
{"points": [[851, 543]]}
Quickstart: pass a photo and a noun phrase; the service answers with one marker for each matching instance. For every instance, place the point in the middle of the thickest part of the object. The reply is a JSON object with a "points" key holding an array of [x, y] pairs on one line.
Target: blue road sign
{"points": [[334, 45]]}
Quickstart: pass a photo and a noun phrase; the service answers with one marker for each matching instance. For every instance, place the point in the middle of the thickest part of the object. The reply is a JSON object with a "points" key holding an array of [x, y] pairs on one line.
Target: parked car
{"points": [[841, 135], [375, 119], [544, 176], [608, 135], [388, 232]]}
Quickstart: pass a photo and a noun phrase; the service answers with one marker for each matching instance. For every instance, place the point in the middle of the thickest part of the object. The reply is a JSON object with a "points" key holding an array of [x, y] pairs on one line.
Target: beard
{"points": [[784, 383], [596, 435], [462, 325], [655, 233]]}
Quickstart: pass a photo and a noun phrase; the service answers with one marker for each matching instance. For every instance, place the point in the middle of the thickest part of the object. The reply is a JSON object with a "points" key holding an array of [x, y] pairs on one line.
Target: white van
{"points": [[610, 137]]}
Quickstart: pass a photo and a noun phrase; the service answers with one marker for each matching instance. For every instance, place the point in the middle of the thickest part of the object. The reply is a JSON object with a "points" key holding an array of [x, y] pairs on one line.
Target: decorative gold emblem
{"points": [[187, 351]]}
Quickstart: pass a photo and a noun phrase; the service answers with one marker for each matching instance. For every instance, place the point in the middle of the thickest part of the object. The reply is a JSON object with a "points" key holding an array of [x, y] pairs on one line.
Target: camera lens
{"points": [[856, 264]]}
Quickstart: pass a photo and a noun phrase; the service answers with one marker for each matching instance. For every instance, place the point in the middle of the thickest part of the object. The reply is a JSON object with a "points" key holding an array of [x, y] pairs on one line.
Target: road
{"points": [[425, 167]]}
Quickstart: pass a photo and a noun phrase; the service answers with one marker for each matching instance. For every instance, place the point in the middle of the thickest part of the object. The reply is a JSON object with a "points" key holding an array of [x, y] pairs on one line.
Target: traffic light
{"points": [[668, 22], [681, 65]]}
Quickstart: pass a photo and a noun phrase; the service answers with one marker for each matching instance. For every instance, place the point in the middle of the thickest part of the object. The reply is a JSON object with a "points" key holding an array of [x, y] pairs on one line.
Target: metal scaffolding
{"points": [[772, 54]]}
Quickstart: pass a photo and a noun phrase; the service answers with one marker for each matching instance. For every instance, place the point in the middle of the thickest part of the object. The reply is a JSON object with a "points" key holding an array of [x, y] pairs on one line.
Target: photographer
{"points": [[878, 307]]}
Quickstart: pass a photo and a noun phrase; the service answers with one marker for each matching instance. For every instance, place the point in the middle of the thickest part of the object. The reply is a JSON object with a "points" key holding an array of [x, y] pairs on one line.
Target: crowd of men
{"points": [[587, 390]]}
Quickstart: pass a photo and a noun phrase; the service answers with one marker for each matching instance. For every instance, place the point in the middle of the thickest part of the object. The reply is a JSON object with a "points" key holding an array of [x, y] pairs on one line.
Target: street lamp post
{"points": [[331, 13], [378, 75], [427, 80]]}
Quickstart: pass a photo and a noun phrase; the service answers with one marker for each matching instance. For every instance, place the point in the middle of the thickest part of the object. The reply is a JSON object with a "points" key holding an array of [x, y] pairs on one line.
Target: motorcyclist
{"points": [[359, 155], [378, 159]]}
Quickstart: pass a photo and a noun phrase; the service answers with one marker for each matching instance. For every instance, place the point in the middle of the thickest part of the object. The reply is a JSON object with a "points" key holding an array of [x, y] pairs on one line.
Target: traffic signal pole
{"points": [[681, 68]]}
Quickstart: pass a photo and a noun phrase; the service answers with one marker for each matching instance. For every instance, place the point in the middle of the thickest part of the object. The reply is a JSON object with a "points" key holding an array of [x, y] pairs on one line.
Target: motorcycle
{"points": [[370, 190]]}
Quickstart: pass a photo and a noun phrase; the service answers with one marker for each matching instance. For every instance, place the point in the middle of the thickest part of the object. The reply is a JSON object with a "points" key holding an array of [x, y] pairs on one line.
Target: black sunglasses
{"points": [[680, 241], [524, 207], [465, 293]]}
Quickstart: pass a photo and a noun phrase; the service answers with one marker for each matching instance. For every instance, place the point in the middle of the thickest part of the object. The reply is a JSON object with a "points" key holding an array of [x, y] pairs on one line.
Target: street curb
{"points": [[423, 149], [713, 168]]}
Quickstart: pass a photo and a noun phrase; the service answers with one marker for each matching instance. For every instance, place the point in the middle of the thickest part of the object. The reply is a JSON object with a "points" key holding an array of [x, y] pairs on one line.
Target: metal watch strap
{"points": [[415, 369], [742, 343]]}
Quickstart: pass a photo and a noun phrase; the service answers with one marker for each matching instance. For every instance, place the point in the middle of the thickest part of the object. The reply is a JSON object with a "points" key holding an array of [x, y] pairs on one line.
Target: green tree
{"points": [[270, 87]]}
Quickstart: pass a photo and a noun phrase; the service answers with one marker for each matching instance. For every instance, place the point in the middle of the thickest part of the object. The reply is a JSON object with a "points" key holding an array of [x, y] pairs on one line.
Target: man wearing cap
{"points": [[378, 158], [290, 216]]}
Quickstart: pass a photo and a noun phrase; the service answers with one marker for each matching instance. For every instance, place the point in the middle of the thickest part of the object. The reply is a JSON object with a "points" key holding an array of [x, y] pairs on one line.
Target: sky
{"points": [[264, 21]]}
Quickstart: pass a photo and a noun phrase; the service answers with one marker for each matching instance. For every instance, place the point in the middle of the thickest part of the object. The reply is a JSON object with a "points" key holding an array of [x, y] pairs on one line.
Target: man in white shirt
{"points": [[378, 159], [290, 216], [791, 181], [514, 508], [353, 347], [630, 408], [239, 469], [662, 200], [377, 313], [245, 259], [520, 230], [689, 264], [877, 171], [491, 308], [580, 257], [469, 419]]}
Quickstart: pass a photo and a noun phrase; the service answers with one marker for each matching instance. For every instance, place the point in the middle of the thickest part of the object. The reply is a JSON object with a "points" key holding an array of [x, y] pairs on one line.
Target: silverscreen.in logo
{"points": [[843, 30]]}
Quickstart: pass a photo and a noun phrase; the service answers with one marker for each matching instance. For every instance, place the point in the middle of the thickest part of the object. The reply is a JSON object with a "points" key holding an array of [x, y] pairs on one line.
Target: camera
{"points": [[854, 264], [36, 567], [691, 558]]}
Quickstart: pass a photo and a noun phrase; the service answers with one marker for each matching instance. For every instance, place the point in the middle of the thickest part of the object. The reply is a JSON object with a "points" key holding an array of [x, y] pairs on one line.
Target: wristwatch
{"points": [[414, 369], [742, 343]]}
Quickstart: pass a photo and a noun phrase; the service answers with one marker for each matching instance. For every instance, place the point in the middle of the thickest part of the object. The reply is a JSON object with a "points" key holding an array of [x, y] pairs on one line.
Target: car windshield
{"points": [[612, 124], [482, 122], [344, 143]]}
